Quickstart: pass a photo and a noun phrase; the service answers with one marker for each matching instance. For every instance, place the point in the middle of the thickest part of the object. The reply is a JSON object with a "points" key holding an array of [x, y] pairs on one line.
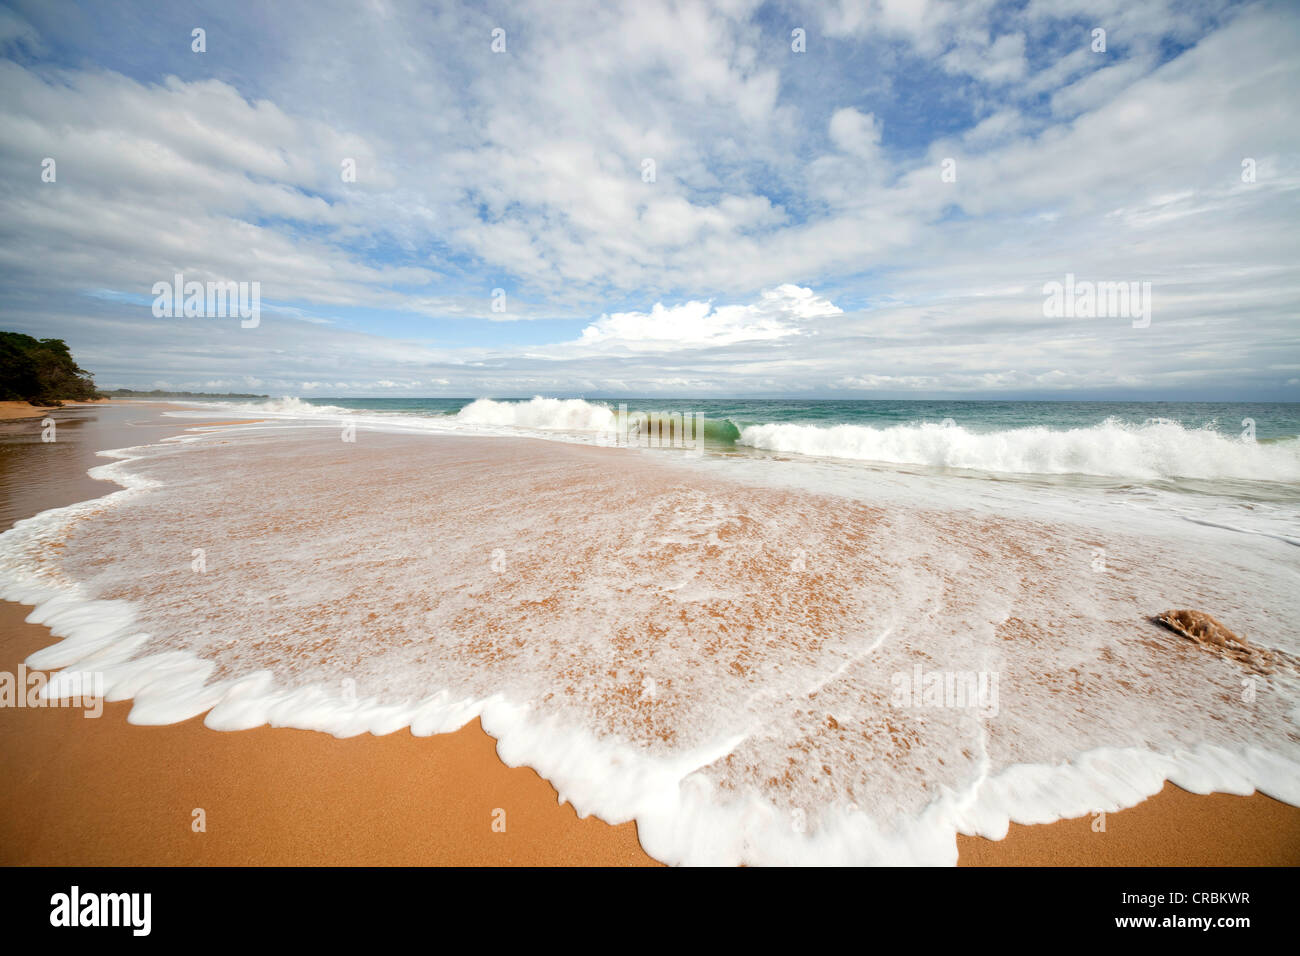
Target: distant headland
{"points": [[164, 393]]}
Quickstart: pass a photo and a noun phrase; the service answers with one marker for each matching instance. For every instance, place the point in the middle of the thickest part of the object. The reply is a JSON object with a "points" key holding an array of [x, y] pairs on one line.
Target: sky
{"points": [[825, 200]]}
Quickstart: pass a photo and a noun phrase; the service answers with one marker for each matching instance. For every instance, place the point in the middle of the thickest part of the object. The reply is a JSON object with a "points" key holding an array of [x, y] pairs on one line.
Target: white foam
{"points": [[315, 579], [568, 414], [287, 407], [1113, 448], [568, 420]]}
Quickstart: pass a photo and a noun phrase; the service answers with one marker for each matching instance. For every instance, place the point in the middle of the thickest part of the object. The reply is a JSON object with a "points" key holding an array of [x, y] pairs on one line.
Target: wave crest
{"points": [[570, 414], [1111, 449]]}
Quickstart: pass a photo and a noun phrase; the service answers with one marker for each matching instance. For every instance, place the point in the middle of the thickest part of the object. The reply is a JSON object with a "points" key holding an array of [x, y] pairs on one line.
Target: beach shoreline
{"points": [[109, 792], [103, 792], [18, 411]]}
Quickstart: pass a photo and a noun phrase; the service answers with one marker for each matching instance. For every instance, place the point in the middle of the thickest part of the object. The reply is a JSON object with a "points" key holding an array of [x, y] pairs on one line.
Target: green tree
{"points": [[41, 371]]}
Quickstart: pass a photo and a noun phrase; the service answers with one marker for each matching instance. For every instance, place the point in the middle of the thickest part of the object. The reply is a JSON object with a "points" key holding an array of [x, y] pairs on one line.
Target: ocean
{"points": [[1219, 462], [768, 631]]}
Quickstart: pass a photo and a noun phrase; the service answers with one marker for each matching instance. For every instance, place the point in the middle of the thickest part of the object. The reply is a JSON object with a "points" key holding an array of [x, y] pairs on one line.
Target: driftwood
{"points": [[1214, 636]]}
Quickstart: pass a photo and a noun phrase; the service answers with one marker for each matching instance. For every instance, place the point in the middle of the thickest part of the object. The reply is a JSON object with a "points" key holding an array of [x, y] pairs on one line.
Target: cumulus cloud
{"points": [[783, 311]]}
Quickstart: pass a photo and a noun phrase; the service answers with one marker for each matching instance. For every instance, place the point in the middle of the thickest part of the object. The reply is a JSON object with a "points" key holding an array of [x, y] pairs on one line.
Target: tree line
{"points": [[41, 371]]}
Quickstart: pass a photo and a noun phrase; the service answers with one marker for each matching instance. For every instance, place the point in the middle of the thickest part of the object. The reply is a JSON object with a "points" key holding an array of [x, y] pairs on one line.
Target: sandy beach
{"points": [[84, 791], [101, 791], [16, 411], [861, 434]]}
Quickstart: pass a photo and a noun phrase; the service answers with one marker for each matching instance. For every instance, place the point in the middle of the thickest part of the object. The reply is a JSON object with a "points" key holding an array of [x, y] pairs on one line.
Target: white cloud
{"points": [[784, 311], [998, 62], [855, 133], [773, 171]]}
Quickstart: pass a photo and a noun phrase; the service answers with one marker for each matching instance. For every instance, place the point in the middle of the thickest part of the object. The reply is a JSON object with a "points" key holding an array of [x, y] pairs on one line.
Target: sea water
{"points": [[844, 633]]}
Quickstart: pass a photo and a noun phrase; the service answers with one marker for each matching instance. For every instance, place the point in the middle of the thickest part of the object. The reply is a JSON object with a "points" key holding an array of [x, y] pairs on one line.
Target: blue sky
{"points": [[797, 237]]}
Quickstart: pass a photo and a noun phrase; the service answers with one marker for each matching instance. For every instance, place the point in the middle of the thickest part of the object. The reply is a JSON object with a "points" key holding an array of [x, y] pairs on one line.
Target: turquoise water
{"points": [[1243, 455], [1272, 420]]}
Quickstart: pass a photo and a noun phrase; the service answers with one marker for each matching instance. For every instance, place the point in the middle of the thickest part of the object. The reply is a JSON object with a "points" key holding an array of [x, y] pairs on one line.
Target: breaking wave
{"points": [[569, 414], [1111, 449]]}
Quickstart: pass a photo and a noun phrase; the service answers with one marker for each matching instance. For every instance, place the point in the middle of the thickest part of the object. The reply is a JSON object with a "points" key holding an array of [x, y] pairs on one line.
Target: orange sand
{"points": [[14, 410], [86, 791], [1173, 828]]}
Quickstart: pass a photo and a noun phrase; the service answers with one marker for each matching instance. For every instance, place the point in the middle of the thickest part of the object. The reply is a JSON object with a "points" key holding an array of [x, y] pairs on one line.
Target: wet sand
{"points": [[102, 791], [17, 411], [99, 791]]}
